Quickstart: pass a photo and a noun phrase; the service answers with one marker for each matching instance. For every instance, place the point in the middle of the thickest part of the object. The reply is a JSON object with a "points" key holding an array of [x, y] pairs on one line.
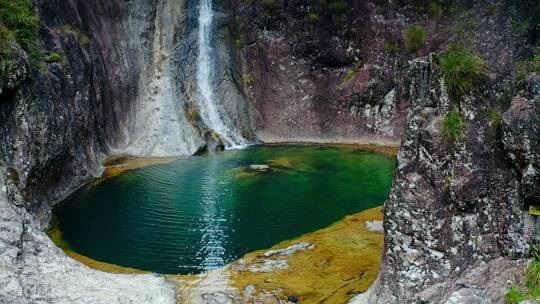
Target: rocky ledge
{"points": [[34, 270]]}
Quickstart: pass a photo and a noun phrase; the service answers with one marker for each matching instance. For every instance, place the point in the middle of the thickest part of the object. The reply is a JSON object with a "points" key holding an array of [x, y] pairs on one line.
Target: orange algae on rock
{"points": [[343, 262]]}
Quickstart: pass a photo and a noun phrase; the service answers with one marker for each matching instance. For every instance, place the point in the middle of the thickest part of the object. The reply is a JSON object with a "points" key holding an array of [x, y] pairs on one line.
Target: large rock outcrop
{"points": [[456, 225]]}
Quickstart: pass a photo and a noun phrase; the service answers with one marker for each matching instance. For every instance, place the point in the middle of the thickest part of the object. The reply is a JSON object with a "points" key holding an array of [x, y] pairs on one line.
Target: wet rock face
{"points": [[321, 78]]}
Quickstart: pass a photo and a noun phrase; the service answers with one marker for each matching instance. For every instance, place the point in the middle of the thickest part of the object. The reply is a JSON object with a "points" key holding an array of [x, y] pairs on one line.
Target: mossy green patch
{"points": [[452, 126], [19, 23], [415, 38], [461, 71]]}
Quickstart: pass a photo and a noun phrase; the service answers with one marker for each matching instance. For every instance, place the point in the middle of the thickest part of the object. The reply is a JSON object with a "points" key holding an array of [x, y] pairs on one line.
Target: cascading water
{"points": [[211, 111]]}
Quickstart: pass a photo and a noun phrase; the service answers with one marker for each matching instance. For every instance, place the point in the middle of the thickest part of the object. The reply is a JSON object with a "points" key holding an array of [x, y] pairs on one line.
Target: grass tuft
{"points": [[495, 118], [453, 125], [461, 70], [533, 274], [312, 17], [415, 38], [53, 57], [514, 296], [435, 11], [337, 6], [392, 48], [525, 67]]}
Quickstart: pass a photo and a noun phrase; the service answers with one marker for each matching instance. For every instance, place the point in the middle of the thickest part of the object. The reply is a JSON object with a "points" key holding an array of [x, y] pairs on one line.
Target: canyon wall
{"points": [[283, 71]]}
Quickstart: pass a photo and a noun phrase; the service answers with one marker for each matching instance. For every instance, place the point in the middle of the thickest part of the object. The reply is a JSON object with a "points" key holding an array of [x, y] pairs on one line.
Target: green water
{"points": [[200, 213]]}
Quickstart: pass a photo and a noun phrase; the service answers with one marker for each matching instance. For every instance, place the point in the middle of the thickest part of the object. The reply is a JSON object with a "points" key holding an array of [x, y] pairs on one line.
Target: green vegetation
{"points": [[18, 24], [70, 30], [534, 251], [452, 126], [464, 31], [491, 9], [435, 11], [312, 17], [533, 274], [415, 38], [192, 114], [340, 19], [495, 118], [529, 288], [353, 71], [449, 180], [392, 48], [238, 43], [519, 28], [461, 70], [525, 67], [248, 80], [53, 57], [514, 296], [337, 6], [432, 8]]}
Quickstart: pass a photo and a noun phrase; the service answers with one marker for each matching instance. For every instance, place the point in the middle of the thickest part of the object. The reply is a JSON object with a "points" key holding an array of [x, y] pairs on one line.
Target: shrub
{"points": [[460, 71], [53, 57], [392, 48], [464, 31], [495, 118], [415, 38], [18, 23], [337, 6], [453, 125], [519, 28], [312, 18]]}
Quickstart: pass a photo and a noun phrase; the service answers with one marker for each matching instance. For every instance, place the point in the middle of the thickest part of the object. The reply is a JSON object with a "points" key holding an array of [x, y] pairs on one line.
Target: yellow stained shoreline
{"points": [[343, 263], [117, 164]]}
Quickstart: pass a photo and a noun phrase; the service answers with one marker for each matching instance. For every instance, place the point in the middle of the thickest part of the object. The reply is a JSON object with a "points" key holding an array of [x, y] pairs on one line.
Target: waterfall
{"points": [[211, 111]]}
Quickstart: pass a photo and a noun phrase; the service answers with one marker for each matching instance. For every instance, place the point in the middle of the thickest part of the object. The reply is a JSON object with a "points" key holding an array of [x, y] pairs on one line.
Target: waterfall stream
{"points": [[211, 111]]}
